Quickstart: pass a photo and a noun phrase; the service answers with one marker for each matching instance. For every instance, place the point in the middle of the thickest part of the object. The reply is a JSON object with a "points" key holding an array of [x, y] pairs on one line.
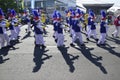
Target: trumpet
{"points": [[7, 23]]}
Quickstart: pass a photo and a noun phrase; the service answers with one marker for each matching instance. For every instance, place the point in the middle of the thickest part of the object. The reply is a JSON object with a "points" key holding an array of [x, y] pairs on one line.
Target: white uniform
{"points": [[3, 34], [13, 35], [38, 34], [60, 41]]}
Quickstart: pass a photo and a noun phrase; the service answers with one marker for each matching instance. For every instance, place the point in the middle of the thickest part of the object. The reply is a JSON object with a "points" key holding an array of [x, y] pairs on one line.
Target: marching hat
{"points": [[1, 14], [103, 15]]}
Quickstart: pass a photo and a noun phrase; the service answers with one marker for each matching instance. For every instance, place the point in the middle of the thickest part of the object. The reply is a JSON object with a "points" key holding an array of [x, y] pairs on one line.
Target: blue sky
{"points": [[116, 2]]}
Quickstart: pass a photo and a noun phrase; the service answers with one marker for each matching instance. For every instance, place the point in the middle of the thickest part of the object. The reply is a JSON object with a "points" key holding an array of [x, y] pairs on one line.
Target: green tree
{"points": [[12, 4]]}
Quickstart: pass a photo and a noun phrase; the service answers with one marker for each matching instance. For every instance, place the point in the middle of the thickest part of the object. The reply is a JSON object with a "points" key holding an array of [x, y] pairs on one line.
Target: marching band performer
{"points": [[60, 36], [13, 23], [28, 20], [89, 22], [3, 34], [70, 20], [39, 41], [43, 20], [103, 29], [55, 25], [77, 29], [92, 27], [117, 26], [17, 26]]}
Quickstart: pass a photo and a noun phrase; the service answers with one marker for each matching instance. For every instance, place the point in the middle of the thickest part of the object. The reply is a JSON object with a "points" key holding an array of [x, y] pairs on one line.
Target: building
{"points": [[97, 7], [50, 5]]}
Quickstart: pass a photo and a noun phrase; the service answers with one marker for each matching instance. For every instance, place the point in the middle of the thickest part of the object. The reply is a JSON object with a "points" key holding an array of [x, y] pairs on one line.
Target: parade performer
{"points": [[70, 20], [77, 29], [85, 22], [103, 29], [28, 20], [54, 18], [43, 20], [12, 19], [17, 26], [3, 34], [39, 41], [92, 27], [60, 36], [117, 26], [72, 23], [89, 22]]}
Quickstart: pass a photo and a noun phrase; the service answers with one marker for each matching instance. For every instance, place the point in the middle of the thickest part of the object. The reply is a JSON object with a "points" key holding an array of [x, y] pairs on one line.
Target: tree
{"points": [[10, 4]]}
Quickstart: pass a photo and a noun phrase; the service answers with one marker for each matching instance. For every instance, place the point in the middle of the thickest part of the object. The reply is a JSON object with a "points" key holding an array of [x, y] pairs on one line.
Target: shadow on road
{"points": [[116, 40], [110, 50], [67, 58], [26, 36], [38, 58], [4, 51], [91, 57]]}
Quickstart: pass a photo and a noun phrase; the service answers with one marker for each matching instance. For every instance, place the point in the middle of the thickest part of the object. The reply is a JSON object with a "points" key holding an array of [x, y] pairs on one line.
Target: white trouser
{"points": [[55, 34], [29, 27], [107, 28], [13, 35], [60, 40], [92, 32], [102, 38], [88, 29], [39, 39], [79, 36], [72, 32], [3, 38], [17, 30], [116, 32]]}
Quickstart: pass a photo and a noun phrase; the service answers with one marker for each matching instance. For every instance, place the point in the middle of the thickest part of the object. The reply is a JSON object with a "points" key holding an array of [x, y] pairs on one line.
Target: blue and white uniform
{"points": [[3, 34], [77, 30], [60, 36], [38, 30], [55, 24], [13, 35], [103, 29], [93, 25]]}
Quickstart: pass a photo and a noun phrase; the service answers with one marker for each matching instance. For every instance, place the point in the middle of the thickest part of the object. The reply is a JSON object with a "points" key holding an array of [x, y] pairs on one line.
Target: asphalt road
{"points": [[24, 61]]}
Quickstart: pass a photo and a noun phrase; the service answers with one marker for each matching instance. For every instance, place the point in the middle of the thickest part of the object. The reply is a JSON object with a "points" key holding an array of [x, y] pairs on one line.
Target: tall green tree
{"points": [[12, 4]]}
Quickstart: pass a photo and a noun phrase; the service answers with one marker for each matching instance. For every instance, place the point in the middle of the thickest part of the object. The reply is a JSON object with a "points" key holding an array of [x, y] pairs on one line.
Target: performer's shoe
{"points": [[96, 40], [82, 45], [56, 40], [102, 44], [112, 35], [9, 46], [98, 45], [37, 45], [117, 37], [3, 47], [43, 46], [53, 36], [71, 44], [87, 39]]}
